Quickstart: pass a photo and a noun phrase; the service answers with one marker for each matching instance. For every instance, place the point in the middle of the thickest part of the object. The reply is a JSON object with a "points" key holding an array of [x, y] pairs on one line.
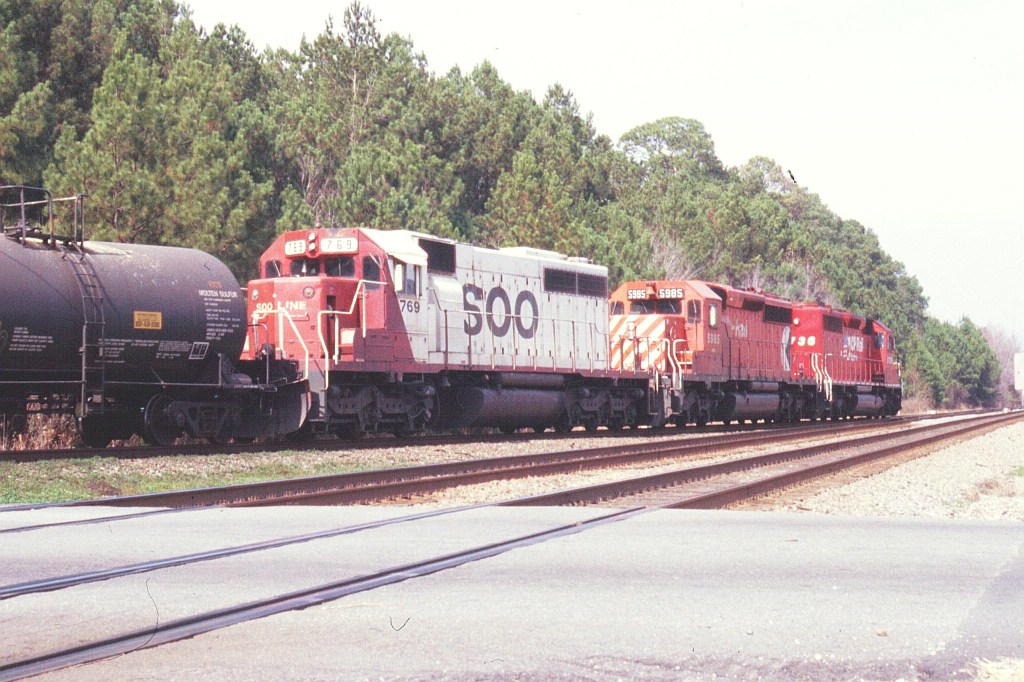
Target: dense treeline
{"points": [[185, 137]]}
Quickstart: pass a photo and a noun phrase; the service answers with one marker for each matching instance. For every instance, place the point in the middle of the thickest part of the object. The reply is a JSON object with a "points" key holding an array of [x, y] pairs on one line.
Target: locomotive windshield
{"points": [[344, 266], [305, 267], [664, 307], [340, 267]]}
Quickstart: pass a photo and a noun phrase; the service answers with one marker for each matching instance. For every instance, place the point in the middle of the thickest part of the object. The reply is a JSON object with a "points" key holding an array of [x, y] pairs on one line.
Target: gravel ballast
{"points": [[981, 478]]}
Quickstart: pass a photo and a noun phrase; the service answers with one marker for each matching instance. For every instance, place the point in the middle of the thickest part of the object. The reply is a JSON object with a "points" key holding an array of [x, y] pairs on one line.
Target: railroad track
{"points": [[372, 442], [127, 641], [109, 640], [718, 485], [399, 482]]}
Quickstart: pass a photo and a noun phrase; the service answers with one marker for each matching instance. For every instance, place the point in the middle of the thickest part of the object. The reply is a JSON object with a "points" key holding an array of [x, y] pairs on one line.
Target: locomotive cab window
{"points": [[340, 267], [693, 311], [617, 308], [305, 267], [405, 278], [371, 273], [272, 269], [641, 307], [665, 307], [712, 315]]}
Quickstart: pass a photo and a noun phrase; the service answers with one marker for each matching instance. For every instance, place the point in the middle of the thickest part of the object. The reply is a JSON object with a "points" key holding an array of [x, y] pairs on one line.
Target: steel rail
{"points": [[635, 486], [85, 577], [375, 441], [191, 626], [744, 491], [365, 486]]}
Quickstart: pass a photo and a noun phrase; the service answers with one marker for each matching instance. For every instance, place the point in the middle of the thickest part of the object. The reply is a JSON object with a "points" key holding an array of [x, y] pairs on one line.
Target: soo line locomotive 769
{"points": [[354, 330]]}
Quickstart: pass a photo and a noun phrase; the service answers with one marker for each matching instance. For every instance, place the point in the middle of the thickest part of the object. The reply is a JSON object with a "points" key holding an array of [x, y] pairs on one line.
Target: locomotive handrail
{"points": [[677, 367], [359, 295], [281, 312], [256, 343]]}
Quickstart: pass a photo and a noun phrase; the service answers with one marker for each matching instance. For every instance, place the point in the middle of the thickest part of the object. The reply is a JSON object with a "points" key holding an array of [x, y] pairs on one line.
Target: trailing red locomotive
{"points": [[731, 354]]}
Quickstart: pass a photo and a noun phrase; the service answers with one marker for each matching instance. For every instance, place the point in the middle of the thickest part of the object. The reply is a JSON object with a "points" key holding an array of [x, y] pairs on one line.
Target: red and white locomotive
{"points": [[730, 354], [402, 331]]}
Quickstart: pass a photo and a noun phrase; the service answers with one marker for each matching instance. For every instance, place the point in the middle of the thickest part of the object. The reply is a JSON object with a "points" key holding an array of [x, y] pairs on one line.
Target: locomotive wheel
{"points": [[158, 427], [304, 434]]}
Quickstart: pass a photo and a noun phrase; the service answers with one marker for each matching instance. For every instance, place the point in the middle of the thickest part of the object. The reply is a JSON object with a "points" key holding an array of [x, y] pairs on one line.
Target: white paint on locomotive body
{"points": [[495, 310], [480, 309]]}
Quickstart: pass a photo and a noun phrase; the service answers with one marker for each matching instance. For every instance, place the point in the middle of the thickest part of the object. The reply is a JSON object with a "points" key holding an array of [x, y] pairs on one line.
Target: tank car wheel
{"points": [[223, 436], [539, 429], [96, 432], [158, 428]]}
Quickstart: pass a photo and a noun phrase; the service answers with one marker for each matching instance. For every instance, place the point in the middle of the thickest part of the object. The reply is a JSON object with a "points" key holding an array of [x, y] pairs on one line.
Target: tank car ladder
{"points": [[94, 369]]}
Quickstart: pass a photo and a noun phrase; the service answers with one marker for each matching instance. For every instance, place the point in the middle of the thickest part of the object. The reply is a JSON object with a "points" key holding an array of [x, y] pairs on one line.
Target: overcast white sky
{"points": [[906, 116]]}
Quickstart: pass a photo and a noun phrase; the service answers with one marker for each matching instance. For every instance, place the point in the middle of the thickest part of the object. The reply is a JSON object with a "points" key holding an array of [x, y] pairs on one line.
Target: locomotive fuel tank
{"points": [[509, 408], [167, 313], [749, 405]]}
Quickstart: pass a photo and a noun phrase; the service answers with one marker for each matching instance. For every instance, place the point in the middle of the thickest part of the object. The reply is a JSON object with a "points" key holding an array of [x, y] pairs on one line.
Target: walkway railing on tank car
{"points": [[255, 327], [24, 210]]}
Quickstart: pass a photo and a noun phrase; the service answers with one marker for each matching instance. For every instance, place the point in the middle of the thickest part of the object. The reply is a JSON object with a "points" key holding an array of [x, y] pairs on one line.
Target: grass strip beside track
{"points": [[93, 477]]}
